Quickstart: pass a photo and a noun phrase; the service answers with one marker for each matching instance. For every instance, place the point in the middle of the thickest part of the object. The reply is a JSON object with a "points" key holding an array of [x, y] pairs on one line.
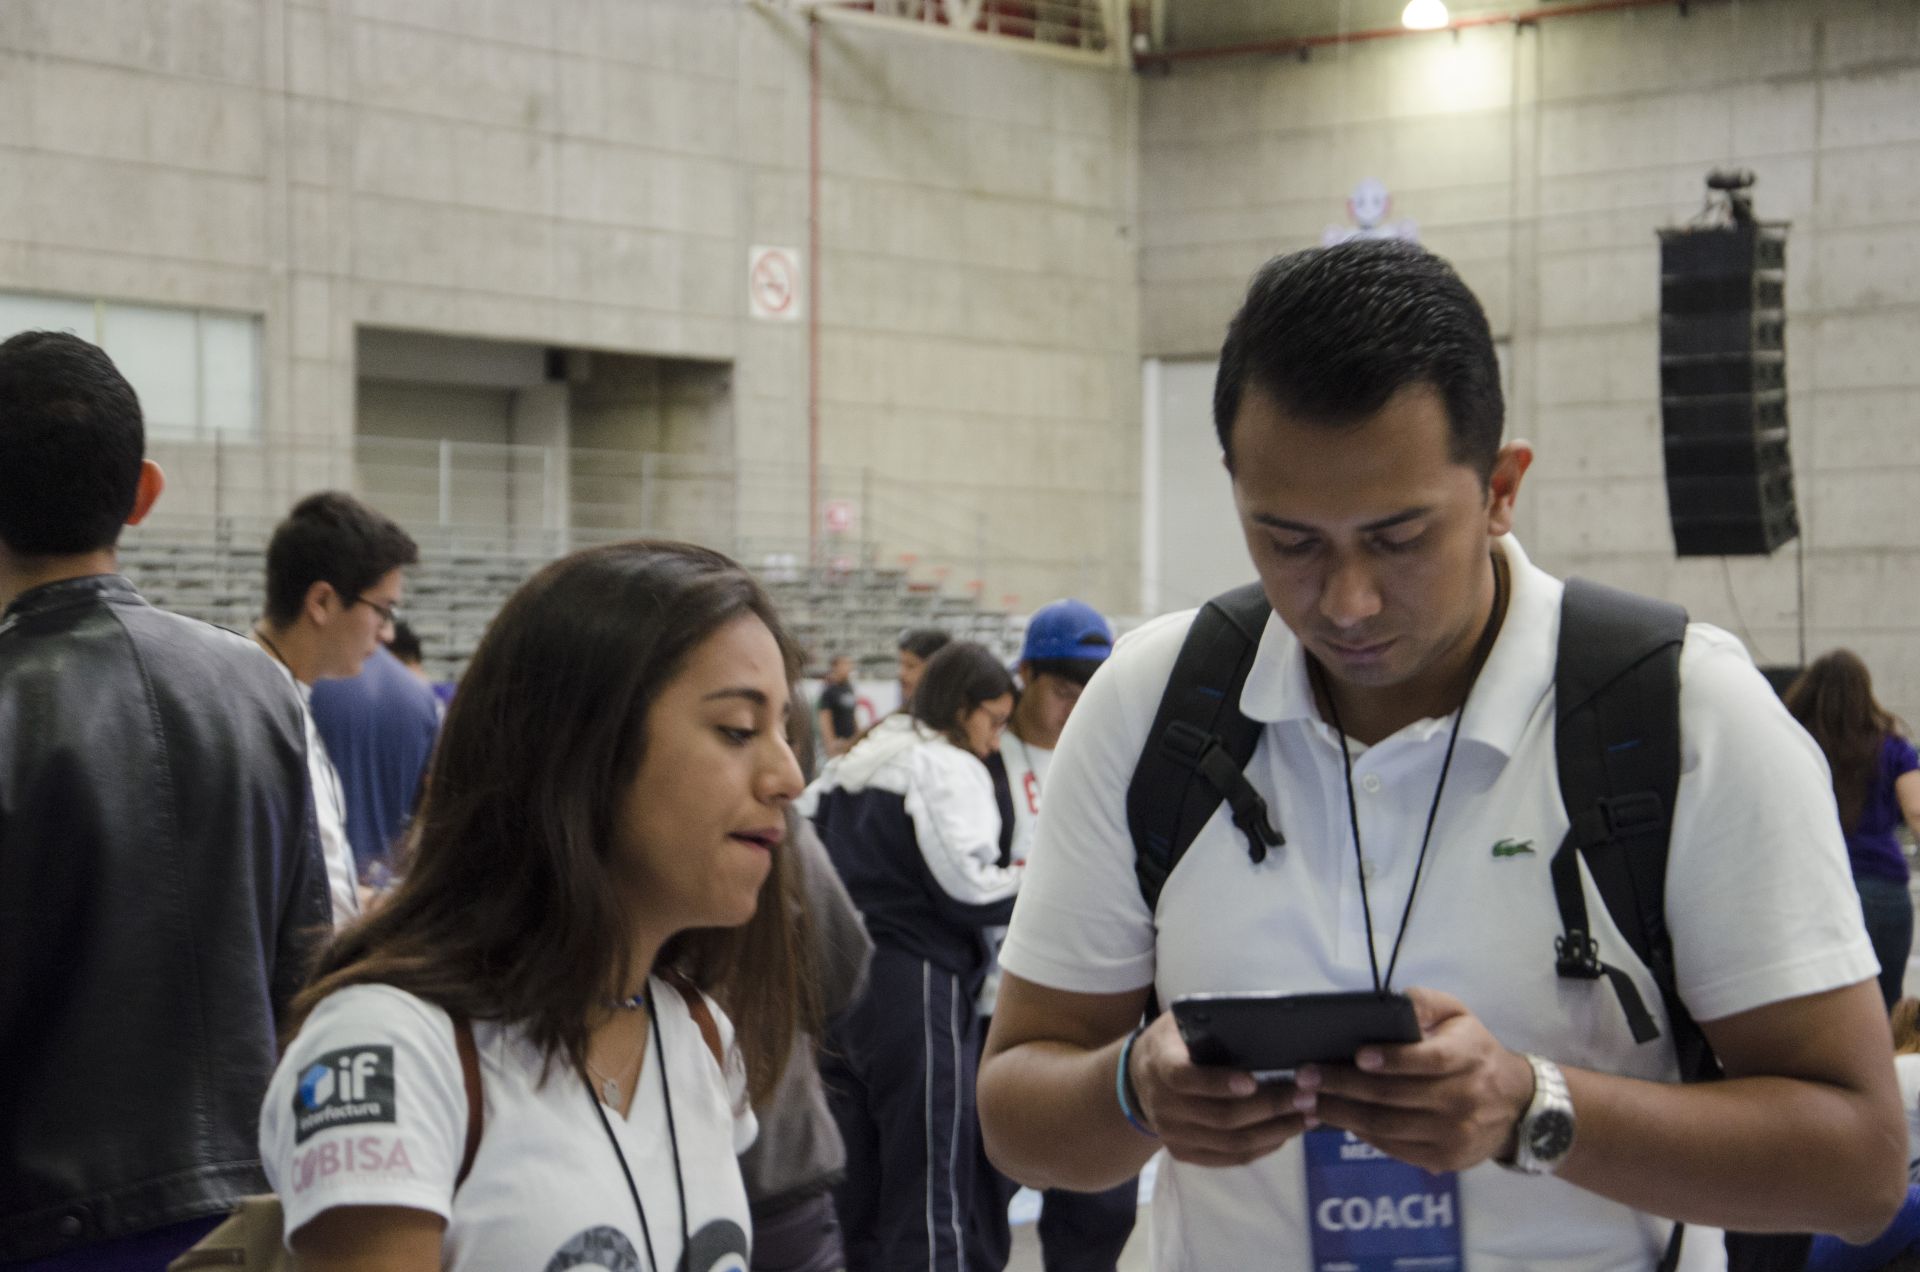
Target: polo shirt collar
{"points": [[1517, 674]]}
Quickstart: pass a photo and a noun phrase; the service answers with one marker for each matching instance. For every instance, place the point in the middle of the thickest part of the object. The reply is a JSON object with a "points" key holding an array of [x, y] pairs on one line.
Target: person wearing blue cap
{"points": [[1066, 642]]}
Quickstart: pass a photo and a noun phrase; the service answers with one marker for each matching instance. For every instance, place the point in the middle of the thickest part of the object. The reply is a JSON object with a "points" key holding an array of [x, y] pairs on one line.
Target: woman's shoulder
{"points": [[375, 1015], [936, 758]]}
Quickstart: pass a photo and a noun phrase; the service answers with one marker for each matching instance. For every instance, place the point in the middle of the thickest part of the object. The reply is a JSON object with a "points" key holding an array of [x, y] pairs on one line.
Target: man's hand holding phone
{"points": [[1208, 1115], [1447, 1102]]}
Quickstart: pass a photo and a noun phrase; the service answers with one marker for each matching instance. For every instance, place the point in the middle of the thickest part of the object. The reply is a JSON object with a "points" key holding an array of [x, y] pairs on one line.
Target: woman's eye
{"points": [[1293, 547], [739, 737]]}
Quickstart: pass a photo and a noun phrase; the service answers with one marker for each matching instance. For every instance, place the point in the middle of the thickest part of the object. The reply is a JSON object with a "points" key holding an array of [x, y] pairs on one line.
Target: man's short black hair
{"points": [[405, 644], [331, 538], [924, 642], [1331, 333], [1077, 670], [71, 442]]}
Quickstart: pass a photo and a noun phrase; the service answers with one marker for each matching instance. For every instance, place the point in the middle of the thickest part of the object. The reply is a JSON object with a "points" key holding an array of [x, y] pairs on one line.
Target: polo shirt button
{"points": [[1370, 783], [1366, 868]]}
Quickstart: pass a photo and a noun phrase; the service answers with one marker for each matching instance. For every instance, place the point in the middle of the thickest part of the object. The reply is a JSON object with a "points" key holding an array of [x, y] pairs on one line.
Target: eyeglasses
{"points": [[388, 613]]}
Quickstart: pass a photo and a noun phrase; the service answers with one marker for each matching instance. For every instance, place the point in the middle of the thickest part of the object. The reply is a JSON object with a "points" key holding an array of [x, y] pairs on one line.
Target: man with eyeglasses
{"points": [[333, 592]]}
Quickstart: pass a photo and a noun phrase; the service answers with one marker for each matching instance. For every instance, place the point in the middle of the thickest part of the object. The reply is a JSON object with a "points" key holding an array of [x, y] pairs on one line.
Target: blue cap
{"points": [[1067, 629]]}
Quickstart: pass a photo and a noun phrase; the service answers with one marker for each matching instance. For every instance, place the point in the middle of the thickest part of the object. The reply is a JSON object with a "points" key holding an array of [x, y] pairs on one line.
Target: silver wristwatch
{"points": [[1544, 1136]]}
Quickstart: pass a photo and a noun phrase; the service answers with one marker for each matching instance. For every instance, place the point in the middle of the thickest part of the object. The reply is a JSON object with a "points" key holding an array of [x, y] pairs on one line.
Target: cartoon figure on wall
{"points": [[1368, 207]]}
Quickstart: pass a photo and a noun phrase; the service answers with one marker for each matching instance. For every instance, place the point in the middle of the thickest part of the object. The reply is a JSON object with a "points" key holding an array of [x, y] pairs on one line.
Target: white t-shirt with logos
{"points": [[368, 1108], [1763, 904], [1027, 766]]}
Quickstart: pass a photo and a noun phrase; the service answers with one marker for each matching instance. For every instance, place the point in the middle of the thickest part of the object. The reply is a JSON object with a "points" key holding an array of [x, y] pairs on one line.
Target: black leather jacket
{"points": [[160, 883]]}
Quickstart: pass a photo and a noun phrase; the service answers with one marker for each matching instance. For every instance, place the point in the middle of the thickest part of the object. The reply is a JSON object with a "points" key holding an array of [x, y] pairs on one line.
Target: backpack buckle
{"points": [[1635, 813], [1203, 753], [1577, 956]]}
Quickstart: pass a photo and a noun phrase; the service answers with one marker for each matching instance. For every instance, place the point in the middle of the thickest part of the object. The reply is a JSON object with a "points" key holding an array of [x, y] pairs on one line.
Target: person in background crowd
{"points": [[1893, 1250], [333, 590], [1359, 411], [916, 646], [602, 844], [838, 724], [793, 1166], [1065, 643], [160, 882], [405, 646], [910, 821], [378, 728], [1905, 1022], [1876, 782]]}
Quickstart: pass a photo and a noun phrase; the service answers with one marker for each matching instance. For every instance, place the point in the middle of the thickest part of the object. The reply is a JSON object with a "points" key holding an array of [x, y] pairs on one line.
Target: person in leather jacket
{"points": [[160, 877]]}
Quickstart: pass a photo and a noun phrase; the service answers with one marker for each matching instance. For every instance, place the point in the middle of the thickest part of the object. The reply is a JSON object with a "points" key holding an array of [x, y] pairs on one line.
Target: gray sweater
{"points": [[799, 1152]]}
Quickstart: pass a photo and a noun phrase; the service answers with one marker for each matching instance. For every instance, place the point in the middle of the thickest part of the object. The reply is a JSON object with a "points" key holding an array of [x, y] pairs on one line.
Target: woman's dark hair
{"points": [[505, 911], [335, 539], [924, 642], [71, 442], [1331, 333], [1833, 700], [957, 679]]}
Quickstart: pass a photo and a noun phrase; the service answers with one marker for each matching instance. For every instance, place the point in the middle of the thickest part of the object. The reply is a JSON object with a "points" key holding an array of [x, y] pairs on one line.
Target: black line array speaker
{"points": [[1723, 389]]}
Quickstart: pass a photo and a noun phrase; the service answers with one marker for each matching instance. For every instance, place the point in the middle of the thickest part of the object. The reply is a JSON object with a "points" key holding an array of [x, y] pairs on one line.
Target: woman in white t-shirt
{"points": [[613, 775]]}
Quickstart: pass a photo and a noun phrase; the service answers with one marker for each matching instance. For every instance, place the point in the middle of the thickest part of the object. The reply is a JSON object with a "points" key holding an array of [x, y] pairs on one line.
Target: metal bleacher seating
{"points": [[454, 592]]}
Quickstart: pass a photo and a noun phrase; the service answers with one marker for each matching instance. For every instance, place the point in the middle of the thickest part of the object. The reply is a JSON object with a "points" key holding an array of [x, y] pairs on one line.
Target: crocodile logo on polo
{"points": [[1514, 848]]}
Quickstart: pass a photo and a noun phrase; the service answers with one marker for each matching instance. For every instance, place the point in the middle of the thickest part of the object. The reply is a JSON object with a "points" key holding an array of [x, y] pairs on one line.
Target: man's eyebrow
{"points": [[1384, 523]]}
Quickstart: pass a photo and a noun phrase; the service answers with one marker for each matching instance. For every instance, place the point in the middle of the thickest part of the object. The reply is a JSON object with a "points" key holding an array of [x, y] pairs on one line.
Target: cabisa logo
{"points": [[344, 1088]]}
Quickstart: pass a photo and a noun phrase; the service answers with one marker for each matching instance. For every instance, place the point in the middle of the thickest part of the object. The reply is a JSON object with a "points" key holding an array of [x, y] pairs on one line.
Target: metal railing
{"points": [[539, 501]]}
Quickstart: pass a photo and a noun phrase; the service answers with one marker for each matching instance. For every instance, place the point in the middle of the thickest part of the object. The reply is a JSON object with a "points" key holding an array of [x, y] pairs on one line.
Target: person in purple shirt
{"points": [[1876, 782]]}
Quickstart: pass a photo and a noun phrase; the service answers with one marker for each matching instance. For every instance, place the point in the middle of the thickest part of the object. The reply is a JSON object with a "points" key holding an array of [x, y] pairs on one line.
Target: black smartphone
{"points": [[1271, 1035]]}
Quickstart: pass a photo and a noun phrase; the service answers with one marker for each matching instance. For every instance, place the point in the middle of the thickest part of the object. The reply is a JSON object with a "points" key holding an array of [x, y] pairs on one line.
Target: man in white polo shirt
{"points": [[1404, 693]]}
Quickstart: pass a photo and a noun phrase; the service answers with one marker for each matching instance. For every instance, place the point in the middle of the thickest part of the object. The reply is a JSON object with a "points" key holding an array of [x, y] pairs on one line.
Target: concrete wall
{"points": [[980, 351], [590, 174], [1541, 160]]}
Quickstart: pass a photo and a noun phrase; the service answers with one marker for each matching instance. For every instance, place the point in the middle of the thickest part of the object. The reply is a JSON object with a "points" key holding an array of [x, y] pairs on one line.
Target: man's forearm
{"points": [[1761, 1154], [1051, 1117]]}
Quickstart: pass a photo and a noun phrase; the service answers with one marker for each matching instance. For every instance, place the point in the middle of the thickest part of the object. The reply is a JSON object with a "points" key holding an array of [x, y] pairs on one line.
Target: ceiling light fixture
{"points": [[1424, 15]]}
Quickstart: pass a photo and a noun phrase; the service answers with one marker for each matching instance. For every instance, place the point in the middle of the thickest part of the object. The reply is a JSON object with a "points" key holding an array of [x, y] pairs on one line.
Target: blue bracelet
{"points": [[1122, 1087]]}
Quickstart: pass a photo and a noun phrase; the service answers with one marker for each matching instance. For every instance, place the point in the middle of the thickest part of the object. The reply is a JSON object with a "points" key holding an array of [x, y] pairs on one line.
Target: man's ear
{"points": [[152, 482], [320, 603], [1503, 485]]}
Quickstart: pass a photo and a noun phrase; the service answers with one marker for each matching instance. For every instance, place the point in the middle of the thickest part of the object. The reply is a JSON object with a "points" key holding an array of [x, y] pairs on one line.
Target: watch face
{"points": [[1550, 1136]]}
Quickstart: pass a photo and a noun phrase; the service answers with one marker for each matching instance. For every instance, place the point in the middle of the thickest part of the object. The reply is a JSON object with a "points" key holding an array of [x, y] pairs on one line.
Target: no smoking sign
{"points": [[773, 283]]}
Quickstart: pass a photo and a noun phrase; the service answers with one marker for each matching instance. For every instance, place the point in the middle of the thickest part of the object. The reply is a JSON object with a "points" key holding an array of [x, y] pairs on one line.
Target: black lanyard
{"points": [[1480, 651], [673, 1140]]}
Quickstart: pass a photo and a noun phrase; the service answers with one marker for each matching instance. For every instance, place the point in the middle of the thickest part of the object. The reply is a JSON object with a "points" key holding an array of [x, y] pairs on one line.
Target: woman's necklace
{"points": [[610, 1087]]}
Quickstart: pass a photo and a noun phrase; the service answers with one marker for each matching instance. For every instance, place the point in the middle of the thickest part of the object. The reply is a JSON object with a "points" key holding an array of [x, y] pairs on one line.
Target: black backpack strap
{"points": [[1617, 741], [1617, 738], [1198, 748]]}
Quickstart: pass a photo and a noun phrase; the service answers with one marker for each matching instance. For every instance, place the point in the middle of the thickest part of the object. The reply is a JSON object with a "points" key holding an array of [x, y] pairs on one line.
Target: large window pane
{"points": [[197, 373], [229, 375], [156, 349], [45, 313]]}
